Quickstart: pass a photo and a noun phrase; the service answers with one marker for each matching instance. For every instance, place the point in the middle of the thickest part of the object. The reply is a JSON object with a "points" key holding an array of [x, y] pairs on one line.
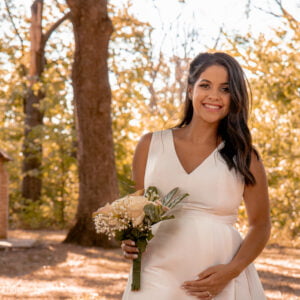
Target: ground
{"points": [[52, 270]]}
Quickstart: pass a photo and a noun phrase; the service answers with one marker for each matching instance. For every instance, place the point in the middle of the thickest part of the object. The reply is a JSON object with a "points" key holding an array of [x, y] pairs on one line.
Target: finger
{"points": [[130, 249], [192, 283], [127, 246], [129, 255], [189, 283], [207, 273], [200, 295], [206, 281], [129, 242], [195, 289]]}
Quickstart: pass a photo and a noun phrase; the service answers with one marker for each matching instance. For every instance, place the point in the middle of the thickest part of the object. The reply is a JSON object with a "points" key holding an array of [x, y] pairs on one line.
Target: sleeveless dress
{"points": [[201, 235]]}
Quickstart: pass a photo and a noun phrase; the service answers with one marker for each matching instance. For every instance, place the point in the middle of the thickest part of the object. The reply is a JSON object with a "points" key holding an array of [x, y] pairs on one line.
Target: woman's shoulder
{"points": [[141, 153], [256, 163], [145, 139]]}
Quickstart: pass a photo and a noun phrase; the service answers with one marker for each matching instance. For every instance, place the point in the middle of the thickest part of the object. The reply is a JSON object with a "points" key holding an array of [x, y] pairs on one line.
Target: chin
{"points": [[211, 119]]}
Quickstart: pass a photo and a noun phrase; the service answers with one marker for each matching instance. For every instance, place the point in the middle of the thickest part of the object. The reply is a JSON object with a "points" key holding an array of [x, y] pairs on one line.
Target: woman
{"points": [[209, 155]]}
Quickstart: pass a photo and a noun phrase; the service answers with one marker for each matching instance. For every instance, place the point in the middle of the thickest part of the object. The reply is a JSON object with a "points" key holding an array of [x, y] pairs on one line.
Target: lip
{"points": [[212, 106]]}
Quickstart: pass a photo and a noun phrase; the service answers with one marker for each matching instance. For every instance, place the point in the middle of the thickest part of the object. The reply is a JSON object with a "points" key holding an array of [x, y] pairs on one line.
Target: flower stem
{"points": [[136, 273]]}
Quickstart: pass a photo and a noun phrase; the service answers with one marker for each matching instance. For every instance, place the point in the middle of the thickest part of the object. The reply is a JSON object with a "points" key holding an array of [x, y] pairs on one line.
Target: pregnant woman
{"points": [[210, 156]]}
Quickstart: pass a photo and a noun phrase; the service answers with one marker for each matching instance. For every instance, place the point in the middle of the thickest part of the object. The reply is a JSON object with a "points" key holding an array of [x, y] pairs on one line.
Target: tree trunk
{"points": [[92, 95], [3, 196], [32, 145]]}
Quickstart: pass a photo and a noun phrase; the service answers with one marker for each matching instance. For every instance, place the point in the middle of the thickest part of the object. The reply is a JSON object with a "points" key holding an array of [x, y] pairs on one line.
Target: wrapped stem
{"points": [[136, 273]]}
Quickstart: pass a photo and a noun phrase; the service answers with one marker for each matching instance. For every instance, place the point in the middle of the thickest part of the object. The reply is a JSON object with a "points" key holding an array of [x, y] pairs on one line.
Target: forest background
{"points": [[147, 78]]}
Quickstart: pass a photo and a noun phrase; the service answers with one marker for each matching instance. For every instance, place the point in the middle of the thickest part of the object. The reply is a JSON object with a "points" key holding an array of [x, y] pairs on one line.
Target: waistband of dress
{"points": [[188, 208]]}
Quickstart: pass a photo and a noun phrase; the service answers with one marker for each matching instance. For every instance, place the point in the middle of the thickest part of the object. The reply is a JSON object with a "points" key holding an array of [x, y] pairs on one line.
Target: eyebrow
{"points": [[225, 83]]}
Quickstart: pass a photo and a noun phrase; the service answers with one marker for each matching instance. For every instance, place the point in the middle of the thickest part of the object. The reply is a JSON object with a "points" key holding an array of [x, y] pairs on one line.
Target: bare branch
{"points": [[268, 12], [14, 25], [248, 9], [158, 12], [54, 26], [218, 38], [279, 3], [285, 14]]}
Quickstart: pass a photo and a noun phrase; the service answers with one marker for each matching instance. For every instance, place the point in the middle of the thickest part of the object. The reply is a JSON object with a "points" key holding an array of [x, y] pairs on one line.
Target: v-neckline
{"points": [[179, 162]]}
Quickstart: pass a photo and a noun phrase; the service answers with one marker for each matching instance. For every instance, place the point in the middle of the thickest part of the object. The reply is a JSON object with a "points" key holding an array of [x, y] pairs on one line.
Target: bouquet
{"points": [[132, 216]]}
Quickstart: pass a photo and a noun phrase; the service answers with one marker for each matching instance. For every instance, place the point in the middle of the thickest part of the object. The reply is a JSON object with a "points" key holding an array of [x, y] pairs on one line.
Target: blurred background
{"points": [[150, 48], [76, 93]]}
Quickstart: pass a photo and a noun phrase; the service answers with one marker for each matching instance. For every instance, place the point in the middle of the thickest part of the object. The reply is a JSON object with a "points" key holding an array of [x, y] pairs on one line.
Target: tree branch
{"points": [[268, 12], [279, 3], [14, 25], [54, 26], [294, 24], [248, 9], [292, 21], [218, 37]]}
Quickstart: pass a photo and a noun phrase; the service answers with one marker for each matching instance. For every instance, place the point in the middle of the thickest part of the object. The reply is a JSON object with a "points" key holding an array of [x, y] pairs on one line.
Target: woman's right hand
{"points": [[129, 249]]}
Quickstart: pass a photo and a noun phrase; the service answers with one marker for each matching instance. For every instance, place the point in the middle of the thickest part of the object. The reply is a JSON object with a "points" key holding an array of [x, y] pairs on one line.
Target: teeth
{"points": [[212, 106]]}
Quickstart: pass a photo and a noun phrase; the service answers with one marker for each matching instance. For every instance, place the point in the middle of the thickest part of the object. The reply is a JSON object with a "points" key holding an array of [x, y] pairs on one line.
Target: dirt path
{"points": [[51, 270]]}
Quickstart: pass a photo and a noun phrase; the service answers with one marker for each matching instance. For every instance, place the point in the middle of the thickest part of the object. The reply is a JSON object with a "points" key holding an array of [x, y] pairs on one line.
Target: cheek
{"points": [[226, 105], [227, 102]]}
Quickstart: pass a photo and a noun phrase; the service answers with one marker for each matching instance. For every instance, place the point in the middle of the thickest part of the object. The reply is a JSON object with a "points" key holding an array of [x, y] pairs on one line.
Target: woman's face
{"points": [[210, 95]]}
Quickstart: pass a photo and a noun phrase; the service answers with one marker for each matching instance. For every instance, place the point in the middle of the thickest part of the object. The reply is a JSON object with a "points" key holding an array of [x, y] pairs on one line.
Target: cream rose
{"points": [[135, 208], [105, 210]]}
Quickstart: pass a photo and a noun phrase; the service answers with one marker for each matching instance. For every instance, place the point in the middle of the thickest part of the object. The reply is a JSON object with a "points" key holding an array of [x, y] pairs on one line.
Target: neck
{"points": [[200, 132]]}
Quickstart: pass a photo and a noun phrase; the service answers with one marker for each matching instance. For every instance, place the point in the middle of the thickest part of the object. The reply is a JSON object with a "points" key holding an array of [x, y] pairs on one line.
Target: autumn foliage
{"points": [[147, 91]]}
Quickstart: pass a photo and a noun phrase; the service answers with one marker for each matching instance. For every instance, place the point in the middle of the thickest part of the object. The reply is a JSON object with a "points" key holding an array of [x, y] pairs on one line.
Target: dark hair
{"points": [[233, 129]]}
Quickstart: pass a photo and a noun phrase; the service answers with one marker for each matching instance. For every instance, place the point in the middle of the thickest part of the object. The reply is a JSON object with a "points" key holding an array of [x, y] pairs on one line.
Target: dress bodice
{"points": [[212, 187]]}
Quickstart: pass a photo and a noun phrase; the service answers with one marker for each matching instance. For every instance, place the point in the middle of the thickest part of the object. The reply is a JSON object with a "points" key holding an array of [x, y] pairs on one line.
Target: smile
{"points": [[212, 106]]}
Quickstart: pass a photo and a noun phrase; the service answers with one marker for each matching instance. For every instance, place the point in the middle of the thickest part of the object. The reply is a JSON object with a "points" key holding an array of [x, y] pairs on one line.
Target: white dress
{"points": [[201, 235]]}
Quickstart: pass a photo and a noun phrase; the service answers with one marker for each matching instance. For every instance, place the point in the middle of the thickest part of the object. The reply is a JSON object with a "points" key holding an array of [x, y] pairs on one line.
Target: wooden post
{"points": [[3, 195]]}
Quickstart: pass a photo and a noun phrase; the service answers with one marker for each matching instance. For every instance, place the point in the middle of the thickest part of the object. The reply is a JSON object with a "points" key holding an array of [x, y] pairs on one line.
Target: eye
{"points": [[204, 85], [225, 89]]}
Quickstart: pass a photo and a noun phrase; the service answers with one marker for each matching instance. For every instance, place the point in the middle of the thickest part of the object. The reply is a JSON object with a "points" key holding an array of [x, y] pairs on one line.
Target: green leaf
{"points": [[152, 193], [178, 199], [150, 235], [167, 217], [153, 212], [141, 244], [119, 235], [166, 199]]}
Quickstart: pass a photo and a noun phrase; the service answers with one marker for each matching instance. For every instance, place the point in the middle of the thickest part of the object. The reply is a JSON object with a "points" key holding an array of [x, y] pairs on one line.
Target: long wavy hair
{"points": [[233, 129]]}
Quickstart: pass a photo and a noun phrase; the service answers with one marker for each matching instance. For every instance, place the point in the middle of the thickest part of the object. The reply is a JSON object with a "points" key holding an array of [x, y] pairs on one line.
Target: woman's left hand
{"points": [[210, 282]]}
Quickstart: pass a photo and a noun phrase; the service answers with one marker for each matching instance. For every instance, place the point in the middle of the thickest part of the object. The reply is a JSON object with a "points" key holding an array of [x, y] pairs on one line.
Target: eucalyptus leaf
{"points": [[177, 200], [166, 199]]}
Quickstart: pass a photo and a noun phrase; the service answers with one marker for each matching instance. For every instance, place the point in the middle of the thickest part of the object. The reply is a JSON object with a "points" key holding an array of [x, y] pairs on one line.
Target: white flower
{"points": [[134, 206], [105, 210], [119, 214]]}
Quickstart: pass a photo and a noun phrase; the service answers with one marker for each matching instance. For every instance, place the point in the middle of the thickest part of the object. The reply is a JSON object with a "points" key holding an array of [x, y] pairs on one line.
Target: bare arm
{"points": [[257, 204], [140, 160], [138, 173]]}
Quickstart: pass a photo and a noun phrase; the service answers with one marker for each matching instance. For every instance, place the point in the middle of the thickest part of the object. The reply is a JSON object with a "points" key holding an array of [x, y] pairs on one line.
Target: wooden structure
{"points": [[3, 195]]}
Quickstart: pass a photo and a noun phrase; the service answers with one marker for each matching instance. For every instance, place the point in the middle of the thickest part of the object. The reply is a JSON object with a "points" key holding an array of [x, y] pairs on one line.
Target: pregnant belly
{"points": [[189, 244]]}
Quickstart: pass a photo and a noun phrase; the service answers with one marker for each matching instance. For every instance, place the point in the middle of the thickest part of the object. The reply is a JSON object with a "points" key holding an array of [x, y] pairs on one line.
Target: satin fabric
{"points": [[201, 235]]}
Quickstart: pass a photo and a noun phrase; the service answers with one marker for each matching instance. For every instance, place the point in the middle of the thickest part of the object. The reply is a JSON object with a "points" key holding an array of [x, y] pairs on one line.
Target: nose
{"points": [[214, 94]]}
